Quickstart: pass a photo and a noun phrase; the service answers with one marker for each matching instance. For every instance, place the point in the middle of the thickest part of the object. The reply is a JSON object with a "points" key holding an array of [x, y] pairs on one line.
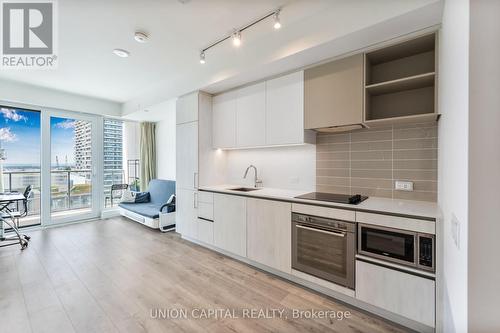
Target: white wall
{"points": [[484, 167], [291, 167], [453, 164], [165, 139], [22, 93]]}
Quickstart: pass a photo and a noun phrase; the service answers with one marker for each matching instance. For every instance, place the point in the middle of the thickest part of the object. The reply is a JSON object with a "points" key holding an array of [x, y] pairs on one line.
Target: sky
{"points": [[20, 136]]}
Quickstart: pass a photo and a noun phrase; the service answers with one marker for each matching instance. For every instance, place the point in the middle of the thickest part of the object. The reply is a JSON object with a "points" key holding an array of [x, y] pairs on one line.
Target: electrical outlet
{"points": [[403, 185], [455, 230], [294, 180]]}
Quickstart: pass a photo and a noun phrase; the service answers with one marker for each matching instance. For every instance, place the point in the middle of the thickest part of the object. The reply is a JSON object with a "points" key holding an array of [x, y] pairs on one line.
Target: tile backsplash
{"points": [[369, 161]]}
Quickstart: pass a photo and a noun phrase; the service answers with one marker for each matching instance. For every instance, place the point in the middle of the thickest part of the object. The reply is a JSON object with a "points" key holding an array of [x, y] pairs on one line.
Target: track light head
{"points": [[237, 38], [202, 57], [277, 23]]}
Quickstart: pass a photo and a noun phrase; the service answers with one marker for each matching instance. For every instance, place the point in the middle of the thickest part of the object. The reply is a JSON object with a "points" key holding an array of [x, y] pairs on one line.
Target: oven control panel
{"points": [[426, 252]]}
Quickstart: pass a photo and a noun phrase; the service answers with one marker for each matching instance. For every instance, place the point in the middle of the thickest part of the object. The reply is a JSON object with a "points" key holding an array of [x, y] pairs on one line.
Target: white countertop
{"points": [[411, 208]]}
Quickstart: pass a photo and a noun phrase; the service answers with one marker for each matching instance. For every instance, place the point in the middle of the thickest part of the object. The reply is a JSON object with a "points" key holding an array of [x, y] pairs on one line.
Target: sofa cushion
{"points": [[142, 197], [160, 190], [145, 209]]}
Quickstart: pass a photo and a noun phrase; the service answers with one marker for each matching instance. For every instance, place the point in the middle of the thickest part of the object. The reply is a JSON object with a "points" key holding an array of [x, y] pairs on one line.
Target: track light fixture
{"points": [[237, 38], [236, 35], [277, 23]]}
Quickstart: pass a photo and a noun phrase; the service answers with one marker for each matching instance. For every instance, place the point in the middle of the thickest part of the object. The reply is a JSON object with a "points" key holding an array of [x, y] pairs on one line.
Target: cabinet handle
{"points": [[195, 179], [195, 200], [336, 234]]}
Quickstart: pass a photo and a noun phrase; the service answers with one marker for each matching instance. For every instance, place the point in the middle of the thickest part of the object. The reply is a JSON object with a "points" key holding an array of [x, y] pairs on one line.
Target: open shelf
{"points": [[407, 83], [400, 82]]}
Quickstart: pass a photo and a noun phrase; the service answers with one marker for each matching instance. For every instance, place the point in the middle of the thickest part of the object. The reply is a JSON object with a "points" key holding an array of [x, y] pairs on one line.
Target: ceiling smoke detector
{"points": [[141, 37]]}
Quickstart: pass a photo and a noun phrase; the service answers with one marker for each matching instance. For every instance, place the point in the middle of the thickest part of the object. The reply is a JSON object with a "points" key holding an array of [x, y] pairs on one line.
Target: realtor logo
{"points": [[28, 34]]}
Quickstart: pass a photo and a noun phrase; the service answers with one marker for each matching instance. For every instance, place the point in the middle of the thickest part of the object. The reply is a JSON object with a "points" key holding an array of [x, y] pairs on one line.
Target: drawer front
{"points": [[205, 231], [206, 197], [405, 294], [333, 213], [206, 210], [396, 222]]}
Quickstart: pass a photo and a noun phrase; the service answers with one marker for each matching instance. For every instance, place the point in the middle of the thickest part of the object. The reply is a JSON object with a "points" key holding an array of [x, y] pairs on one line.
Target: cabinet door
{"points": [[251, 116], [402, 293], [285, 109], [269, 233], [186, 214], [333, 93], [187, 108], [230, 232], [224, 120], [187, 155], [205, 231]]}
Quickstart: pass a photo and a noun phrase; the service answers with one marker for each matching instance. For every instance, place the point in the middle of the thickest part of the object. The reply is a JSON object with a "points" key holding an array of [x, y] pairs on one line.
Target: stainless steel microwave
{"points": [[399, 246]]}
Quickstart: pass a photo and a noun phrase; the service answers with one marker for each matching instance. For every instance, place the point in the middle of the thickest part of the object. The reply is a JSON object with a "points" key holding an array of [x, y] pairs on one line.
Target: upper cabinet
{"points": [[392, 84], [263, 114], [285, 109], [401, 82], [334, 93], [224, 120], [187, 109], [251, 116]]}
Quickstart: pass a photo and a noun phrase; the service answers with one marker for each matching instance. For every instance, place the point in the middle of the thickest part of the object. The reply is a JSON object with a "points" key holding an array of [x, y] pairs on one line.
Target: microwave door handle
{"points": [[337, 234]]}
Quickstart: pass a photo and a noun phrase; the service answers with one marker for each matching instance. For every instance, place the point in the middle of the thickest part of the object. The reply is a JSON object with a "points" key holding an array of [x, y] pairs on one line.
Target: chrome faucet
{"points": [[257, 181]]}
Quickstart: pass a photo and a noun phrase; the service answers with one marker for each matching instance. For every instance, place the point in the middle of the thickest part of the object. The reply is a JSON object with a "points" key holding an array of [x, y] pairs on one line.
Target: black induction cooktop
{"points": [[332, 197]]}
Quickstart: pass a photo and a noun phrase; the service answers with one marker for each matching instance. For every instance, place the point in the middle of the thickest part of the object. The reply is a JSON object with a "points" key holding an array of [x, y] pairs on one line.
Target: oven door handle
{"points": [[337, 234]]}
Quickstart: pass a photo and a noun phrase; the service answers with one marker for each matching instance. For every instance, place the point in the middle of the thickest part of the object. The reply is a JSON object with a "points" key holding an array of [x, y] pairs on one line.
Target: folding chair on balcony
{"points": [[16, 215], [115, 187], [11, 218]]}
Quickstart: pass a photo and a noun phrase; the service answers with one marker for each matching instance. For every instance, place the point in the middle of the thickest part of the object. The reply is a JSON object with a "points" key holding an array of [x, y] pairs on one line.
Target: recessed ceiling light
{"points": [[237, 38], [141, 37], [121, 53]]}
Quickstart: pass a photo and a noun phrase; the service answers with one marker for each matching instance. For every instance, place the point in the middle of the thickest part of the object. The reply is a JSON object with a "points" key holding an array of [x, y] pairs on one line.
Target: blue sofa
{"points": [[148, 213]]}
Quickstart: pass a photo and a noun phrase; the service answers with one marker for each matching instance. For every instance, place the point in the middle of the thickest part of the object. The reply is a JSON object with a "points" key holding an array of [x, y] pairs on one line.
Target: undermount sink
{"points": [[243, 189]]}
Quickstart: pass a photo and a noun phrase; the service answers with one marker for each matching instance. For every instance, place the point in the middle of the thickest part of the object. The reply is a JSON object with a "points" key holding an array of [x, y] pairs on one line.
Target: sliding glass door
{"points": [[20, 159], [71, 166]]}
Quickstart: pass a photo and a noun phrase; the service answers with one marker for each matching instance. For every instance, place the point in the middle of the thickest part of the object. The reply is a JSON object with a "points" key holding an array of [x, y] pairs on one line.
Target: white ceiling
{"points": [[167, 66]]}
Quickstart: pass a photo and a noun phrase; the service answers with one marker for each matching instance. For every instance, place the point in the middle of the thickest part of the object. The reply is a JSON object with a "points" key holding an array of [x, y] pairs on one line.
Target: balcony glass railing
{"points": [[70, 189]]}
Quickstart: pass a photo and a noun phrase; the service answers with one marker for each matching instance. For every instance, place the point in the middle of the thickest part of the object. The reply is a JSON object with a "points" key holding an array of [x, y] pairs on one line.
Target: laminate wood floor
{"points": [[108, 275]]}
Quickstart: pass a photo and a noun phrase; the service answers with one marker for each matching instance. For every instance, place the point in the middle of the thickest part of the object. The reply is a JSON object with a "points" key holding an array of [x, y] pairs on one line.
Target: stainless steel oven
{"points": [[324, 248], [399, 246]]}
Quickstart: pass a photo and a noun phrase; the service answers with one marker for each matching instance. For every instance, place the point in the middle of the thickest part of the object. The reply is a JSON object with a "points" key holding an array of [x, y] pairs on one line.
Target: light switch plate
{"points": [[403, 185]]}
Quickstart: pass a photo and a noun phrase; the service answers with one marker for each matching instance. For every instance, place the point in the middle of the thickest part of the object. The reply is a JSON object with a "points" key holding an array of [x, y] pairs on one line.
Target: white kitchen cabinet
{"points": [[285, 109], [251, 116], [230, 227], [405, 294], [205, 231], [224, 120], [186, 212], [187, 155], [269, 233], [187, 108]]}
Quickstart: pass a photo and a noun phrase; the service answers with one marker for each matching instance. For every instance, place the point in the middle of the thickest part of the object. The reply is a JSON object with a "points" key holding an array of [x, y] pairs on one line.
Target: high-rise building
{"points": [[113, 154], [83, 145]]}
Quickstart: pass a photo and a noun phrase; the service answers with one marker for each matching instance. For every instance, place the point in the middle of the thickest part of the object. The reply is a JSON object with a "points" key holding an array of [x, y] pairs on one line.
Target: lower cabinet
{"points": [[205, 231], [405, 294], [186, 212], [230, 227], [269, 233]]}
